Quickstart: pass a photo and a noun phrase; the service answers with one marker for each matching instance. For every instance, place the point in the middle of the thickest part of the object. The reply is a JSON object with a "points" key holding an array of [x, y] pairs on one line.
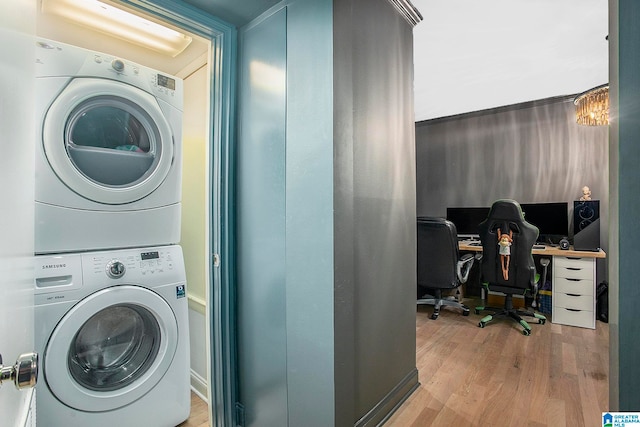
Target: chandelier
{"points": [[592, 106]]}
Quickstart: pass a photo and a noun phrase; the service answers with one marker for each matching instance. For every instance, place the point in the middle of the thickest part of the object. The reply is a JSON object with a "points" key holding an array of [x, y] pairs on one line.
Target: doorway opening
{"points": [[205, 67]]}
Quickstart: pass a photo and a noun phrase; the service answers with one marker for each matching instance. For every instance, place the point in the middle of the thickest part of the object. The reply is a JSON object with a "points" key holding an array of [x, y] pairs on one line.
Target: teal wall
{"points": [[285, 216], [260, 215], [309, 222], [625, 149]]}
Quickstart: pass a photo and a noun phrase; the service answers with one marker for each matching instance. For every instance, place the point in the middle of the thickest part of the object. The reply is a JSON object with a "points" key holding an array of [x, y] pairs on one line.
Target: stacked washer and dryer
{"points": [[110, 291]]}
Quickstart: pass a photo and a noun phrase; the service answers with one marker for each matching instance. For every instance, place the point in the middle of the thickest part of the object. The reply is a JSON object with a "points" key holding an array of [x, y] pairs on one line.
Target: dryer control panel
{"points": [[60, 59]]}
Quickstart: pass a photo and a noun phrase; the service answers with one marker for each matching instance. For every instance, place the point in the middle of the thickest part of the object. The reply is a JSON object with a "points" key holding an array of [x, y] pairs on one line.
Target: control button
{"points": [[98, 59], [117, 65], [115, 269]]}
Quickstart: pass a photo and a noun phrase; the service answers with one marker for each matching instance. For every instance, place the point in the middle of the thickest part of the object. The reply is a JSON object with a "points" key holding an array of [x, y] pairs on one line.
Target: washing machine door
{"points": [[108, 141], [110, 349]]}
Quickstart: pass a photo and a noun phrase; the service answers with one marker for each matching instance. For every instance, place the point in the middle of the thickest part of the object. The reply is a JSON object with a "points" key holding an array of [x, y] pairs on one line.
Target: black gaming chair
{"points": [[507, 264], [439, 265]]}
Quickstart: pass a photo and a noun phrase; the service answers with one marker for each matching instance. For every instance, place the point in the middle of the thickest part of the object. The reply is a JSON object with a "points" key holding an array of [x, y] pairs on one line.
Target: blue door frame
{"points": [[221, 310]]}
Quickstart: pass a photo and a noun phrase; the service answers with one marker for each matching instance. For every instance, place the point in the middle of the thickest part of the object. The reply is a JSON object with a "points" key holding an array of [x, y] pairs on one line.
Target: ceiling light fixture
{"points": [[119, 23], [592, 106]]}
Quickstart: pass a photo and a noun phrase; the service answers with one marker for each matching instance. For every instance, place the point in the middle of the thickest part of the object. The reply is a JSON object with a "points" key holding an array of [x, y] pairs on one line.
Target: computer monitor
{"points": [[467, 220], [552, 219]]}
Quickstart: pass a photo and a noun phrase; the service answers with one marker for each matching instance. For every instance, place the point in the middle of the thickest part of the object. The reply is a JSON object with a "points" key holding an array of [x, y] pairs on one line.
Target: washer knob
{"points": [[115, 269], [117, 65]]}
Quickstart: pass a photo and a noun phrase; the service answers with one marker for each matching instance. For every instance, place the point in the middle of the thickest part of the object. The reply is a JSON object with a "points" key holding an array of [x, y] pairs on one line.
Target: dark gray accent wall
{"points": [[625, 208], [531, 152], [374, 216]]}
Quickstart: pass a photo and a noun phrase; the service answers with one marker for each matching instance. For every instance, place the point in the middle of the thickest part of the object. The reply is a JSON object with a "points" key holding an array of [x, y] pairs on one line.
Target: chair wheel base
{"points": [[434, 316], [466, 312], [526, 332]]}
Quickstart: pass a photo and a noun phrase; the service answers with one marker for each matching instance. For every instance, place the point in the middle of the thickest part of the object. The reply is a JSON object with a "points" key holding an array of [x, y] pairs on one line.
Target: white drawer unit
{"points": [[574, 283]]}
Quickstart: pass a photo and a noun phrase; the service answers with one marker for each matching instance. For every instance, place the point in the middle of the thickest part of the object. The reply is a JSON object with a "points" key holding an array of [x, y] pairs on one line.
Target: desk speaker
{"points": [[586, 225]]}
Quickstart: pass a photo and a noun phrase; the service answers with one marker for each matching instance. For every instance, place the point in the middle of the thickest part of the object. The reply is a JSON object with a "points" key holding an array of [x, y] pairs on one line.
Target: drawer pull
{"points": [[572, 280], [571, 257], [574, 295], [574, 268], [572, 309]]}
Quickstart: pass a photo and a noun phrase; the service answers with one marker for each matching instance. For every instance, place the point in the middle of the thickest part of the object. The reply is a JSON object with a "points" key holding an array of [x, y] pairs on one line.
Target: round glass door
{"points": [[111, 348], [108, 141], [111, 142], [114, 348]]}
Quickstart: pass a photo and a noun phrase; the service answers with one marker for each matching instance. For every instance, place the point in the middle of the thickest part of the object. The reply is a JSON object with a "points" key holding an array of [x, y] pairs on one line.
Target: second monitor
{"points": [[552, 219], [467, 220]]}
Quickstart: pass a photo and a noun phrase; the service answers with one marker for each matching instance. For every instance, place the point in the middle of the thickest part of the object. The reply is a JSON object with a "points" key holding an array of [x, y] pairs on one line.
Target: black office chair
{"points": [[439, 265], [507, 264]]}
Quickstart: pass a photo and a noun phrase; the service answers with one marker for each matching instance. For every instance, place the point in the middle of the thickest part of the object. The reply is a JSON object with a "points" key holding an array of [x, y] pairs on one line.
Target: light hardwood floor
{"points": [[199, 416], [495, 376]]}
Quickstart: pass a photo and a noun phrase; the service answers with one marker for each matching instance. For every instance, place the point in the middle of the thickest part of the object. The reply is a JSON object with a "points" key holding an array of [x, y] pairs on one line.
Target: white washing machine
{"points": [[108, 154], [113, 338]]}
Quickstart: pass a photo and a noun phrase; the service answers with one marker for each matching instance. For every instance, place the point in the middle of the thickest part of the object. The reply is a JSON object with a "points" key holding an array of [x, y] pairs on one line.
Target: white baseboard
{"points": [[199, 385]]}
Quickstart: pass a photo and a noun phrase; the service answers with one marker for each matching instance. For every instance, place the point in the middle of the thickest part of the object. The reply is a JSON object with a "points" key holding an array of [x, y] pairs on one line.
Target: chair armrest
{"points": [[464, 267]]}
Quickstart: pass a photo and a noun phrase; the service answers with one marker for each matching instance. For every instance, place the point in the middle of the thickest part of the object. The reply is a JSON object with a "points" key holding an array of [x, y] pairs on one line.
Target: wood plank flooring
{"points": [[199, 416], [558, 376], [495, 376]]}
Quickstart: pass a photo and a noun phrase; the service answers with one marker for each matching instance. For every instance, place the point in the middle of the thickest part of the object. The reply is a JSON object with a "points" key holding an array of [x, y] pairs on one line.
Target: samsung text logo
{"points": [[50, 266]]}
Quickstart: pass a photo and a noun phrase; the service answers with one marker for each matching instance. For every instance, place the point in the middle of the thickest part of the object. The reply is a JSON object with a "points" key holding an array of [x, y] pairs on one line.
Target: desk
{"points": [[573, 281]]}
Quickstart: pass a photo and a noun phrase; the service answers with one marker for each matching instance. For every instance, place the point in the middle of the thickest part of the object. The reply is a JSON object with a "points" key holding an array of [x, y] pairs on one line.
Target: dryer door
{"points": [[110, 349], [108, 141]]}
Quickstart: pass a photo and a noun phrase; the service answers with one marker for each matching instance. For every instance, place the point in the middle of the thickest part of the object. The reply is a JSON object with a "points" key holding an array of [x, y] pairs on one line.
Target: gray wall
{"points": [[531, 152], [325, 214], [375, 227]]}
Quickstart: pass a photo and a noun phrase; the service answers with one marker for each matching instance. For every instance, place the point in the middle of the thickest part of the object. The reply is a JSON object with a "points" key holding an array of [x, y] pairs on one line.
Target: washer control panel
{"points": [[69, 277], [115, 269], [137, 264]]}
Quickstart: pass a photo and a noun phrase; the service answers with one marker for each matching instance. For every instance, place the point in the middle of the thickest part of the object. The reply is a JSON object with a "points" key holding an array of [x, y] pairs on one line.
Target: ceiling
{"points": [[471, 55], [235, 12]]}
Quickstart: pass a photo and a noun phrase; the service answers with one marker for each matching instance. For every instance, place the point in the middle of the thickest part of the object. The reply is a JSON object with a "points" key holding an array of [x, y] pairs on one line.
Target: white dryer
{"points": [[113, 338], [108, 154]]}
